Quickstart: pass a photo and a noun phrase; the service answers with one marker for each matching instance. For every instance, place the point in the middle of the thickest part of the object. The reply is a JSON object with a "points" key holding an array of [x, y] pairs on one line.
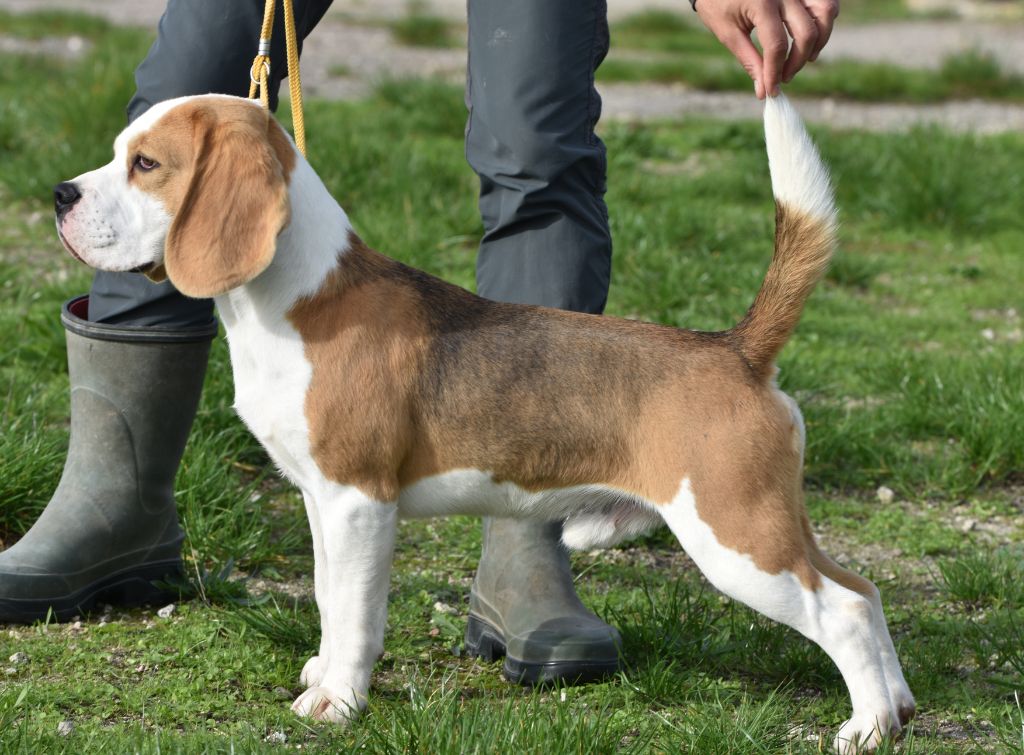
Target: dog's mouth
{"points": [[67, 245], [152, 270]]}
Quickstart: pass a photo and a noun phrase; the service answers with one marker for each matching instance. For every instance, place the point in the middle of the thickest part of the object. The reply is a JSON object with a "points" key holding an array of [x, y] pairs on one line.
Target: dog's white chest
{"points": [[271, 376]]}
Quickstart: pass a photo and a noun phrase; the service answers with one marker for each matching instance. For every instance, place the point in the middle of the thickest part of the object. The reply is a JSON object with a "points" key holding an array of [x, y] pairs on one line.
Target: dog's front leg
{"points": [[358, 539], [315, 668]]}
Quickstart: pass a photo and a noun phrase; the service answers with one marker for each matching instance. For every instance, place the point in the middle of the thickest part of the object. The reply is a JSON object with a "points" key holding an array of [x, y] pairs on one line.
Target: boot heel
{"points": [[483, 641]]}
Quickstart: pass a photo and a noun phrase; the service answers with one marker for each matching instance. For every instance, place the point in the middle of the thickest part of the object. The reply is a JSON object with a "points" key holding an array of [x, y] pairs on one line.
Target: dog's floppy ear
{"points": [[225, 231]]}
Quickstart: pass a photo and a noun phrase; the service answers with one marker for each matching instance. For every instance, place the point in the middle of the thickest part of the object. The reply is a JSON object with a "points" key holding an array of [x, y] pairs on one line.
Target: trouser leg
{"points": [[530, 138], [202, 46]]}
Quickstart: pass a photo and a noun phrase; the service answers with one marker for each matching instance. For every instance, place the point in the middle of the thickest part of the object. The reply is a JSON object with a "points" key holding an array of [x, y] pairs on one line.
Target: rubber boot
{"points": [[523, 606], [111, 528]]}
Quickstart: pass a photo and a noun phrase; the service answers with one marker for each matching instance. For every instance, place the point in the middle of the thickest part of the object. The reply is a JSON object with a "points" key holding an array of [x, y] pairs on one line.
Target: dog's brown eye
{"points": [[144, 163]]}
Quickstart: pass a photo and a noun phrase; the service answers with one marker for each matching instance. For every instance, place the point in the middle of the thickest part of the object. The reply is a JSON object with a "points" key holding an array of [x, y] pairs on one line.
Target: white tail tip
{"points": [[799, 178]]}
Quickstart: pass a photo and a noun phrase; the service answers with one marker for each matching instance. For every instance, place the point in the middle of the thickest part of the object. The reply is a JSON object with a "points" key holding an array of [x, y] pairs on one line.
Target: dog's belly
{"points": [[595, 515]]}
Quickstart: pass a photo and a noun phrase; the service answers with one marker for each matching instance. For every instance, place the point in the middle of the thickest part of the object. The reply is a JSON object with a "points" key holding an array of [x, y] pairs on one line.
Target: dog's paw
{"points": [[313, 672], [326, 704], [905, 705], [907, 709], [863, 733]]}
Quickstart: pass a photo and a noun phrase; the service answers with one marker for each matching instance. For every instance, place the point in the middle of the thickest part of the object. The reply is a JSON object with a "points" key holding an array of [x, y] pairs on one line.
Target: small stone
{"points": [[885, 495], [445, 608], [64, 728], [166, 611], [988, 334], [968, 525], [18, 658], [277, 737], [282, 694], [434, 632], [10, 671]]}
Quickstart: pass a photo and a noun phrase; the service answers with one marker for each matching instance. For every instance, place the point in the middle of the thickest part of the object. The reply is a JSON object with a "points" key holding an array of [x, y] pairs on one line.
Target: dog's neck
{"points": [[308, 249]]}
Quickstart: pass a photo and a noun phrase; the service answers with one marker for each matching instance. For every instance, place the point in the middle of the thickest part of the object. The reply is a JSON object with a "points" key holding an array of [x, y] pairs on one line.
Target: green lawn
{"points": [[908, 365]]}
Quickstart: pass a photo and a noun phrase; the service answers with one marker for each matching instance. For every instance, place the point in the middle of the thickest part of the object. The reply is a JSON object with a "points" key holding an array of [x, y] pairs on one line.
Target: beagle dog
{"points": [[383, 392]]}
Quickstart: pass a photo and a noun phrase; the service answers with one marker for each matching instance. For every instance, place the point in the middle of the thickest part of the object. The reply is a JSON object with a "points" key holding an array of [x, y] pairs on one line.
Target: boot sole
{"points": [[487, 643], [129, 587]]}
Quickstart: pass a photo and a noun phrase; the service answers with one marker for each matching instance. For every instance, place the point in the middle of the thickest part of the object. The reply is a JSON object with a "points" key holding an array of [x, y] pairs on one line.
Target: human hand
{"points": [[808, 23]]}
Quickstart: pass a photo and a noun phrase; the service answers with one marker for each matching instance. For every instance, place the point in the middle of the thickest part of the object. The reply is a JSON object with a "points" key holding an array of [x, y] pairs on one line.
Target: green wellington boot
{"points": [[523, 606], [111, 528]]}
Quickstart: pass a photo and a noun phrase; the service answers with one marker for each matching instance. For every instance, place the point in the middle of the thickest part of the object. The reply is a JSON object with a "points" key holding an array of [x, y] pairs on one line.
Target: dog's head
{"points": [[197, 192]]}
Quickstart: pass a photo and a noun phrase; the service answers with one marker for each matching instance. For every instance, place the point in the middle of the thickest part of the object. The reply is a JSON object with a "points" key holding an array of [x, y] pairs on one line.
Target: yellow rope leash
{"points": [[259, 74]]}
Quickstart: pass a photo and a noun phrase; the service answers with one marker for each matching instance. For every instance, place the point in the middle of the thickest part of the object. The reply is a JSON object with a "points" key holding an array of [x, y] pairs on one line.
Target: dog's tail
{"points": [[805, 231]]}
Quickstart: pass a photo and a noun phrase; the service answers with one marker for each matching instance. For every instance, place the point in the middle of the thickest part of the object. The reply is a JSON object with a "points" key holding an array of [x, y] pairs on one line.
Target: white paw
{"points": [[863, 733], [326, 704], [313, 672]]}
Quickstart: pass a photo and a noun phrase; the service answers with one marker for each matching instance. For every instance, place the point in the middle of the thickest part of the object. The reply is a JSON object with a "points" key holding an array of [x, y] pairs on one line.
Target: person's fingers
{"points": [[824, 13], [774, 44], [739, 44], [804, 33]]}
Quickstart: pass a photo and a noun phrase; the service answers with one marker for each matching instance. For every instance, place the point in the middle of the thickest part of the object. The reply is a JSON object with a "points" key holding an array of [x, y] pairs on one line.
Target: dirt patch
{"points": [[64, 48], [300, 588], [926, 44], [969, 730], [642, 102]]}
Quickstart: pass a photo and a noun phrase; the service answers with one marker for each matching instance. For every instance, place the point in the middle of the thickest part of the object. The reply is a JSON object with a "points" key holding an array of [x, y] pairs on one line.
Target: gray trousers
{"points": [[530, 137]]}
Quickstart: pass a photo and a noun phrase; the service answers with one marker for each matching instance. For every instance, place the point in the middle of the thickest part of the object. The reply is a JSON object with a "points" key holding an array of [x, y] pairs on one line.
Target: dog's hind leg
{"points": [[358, 535], [899, 692], [841, 614]]}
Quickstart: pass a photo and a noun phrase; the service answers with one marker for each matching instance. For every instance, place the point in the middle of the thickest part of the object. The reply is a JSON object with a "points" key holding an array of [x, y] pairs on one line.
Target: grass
{"points": [[421, 28], [985, 579], [664, 47], [907, 365]]}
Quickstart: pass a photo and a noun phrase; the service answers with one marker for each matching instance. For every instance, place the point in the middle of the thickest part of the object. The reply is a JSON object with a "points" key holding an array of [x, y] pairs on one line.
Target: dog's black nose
{"points": [[64, 197]]}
